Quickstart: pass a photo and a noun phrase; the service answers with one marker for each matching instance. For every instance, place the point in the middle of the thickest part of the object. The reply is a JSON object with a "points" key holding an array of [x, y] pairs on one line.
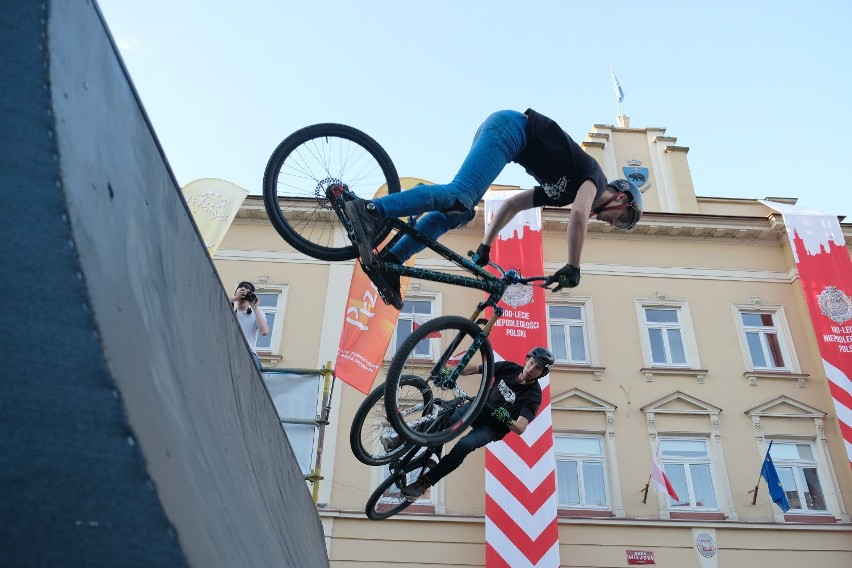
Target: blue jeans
{"points": [[481, 434], [499, 139]]}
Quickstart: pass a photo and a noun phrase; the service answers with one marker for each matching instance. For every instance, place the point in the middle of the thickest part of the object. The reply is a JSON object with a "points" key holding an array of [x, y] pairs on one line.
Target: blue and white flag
{"points": [[619, 92], [776, 490]]}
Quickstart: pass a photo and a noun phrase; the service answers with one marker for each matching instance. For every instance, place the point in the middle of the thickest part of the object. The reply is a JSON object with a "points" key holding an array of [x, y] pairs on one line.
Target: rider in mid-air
{"points": [[513, 402], [567, 174]]}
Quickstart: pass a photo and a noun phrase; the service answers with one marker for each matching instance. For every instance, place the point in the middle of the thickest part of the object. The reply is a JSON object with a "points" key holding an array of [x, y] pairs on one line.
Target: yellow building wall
{"points": [[714, 256]]}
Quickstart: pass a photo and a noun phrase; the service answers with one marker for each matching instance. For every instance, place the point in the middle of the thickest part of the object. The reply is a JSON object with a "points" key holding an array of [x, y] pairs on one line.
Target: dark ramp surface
{"points": [[134, 429]]}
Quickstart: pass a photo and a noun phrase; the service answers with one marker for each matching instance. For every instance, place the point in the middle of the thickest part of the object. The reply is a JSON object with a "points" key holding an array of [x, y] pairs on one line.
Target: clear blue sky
{"points": [[757, 90]]}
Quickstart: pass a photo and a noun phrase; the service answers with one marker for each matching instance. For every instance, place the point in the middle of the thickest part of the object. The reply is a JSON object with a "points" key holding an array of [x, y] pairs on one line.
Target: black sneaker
{"points": [[387, 283], [366, 224], [390, 441], [416, 489]]}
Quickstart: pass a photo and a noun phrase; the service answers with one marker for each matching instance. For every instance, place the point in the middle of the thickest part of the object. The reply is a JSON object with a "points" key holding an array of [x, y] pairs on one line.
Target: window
{"points": [[580, 476], [268, 302], [665, 336], [762, 339], [688, 467], [566, 325], [415, 312], [797, 470]]}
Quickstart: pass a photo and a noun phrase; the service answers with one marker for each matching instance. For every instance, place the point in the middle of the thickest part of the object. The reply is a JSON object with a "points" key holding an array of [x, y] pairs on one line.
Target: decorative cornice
{"points": [[752, 377], [701, 407], [803, 410], [686, 226], [649, 372], [596, 372]]}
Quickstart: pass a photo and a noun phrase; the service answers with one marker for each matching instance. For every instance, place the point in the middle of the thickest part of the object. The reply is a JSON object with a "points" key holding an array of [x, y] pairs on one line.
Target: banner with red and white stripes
{"points": [[825, 271], [520, 471]]}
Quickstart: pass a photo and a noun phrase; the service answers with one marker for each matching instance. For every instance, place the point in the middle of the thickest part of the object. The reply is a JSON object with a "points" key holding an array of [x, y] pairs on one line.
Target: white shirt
{"points": [[248, 323]]}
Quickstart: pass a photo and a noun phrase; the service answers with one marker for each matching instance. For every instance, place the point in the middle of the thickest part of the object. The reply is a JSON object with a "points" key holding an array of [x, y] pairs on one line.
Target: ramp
{"points": [[134, 428]]}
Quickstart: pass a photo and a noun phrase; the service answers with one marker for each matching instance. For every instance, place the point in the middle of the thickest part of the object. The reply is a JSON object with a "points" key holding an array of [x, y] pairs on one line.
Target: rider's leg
{"points": [[479, 436], [432, 225], [499, 139]]}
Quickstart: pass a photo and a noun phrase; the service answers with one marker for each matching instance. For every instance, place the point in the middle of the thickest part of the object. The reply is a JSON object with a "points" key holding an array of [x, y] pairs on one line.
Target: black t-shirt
{"points": [[556, 162], [519, 400]]}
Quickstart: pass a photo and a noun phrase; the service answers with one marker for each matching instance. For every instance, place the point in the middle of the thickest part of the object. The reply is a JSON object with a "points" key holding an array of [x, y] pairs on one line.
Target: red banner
{"points": [[825, 271], [520, 483], [368, 323]]}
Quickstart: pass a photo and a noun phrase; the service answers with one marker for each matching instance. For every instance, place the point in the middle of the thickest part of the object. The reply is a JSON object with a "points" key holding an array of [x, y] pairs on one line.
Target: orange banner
{"points": [[368, 323]]}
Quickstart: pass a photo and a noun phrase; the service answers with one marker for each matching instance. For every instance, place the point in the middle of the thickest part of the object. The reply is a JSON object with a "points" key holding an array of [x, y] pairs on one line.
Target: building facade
{"points": [[688, 337]]}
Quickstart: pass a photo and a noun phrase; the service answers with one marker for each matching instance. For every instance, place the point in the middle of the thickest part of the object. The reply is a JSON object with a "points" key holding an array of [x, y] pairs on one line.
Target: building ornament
{"points": [[714, 425], [610, 423], [820, 428], [755, 424], [652, 429]]}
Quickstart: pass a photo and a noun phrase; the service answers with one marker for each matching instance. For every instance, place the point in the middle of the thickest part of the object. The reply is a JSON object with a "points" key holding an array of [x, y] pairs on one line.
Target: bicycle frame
{"points": [[493, 285]]}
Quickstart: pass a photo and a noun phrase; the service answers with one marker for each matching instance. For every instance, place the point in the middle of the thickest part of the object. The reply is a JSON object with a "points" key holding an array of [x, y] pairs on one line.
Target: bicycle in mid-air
{"points": [[308, 178], [425, 401]]}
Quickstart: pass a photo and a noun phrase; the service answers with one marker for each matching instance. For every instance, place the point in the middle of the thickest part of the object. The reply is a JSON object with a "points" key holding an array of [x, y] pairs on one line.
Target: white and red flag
{"points": [[661, 480], [520, 471], [419, 319]]}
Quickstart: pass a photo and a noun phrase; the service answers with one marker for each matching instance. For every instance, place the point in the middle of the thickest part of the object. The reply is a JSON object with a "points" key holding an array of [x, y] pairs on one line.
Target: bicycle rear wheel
{"points": [[387, 500], [299, 179], [456, 342], [370, 425]]}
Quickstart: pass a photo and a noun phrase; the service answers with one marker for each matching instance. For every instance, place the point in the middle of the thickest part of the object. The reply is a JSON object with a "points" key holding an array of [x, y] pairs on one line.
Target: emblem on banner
{"points": [[518, 295], [637, 174], [835, 304]]}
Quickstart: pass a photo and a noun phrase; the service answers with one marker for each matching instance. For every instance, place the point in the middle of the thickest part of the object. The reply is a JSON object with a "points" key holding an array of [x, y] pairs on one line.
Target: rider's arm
{"points": [[578, 221], [511, 207], [472, 369], [518, 426]]}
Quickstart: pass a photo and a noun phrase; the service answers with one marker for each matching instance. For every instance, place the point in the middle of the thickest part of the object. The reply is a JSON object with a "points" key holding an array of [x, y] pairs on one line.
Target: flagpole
{"points": [[645, 491], [754, 491], [615, 86], [623, 121]]}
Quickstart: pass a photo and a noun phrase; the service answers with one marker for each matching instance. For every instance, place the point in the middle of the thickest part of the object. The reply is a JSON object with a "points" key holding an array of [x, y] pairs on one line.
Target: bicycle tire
{"points": [[300, 170], [371, 422], [381, 504], [457, 336]]}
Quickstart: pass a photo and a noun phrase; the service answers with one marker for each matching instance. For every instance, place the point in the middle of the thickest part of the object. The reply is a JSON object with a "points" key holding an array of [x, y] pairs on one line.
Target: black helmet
{"points": [[627, 186], [543, 357]]}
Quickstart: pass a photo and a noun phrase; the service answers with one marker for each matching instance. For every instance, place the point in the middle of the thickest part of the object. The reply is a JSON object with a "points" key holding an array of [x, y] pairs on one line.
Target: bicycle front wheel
{"points": [[436, 352], [372, 438], [306, 168]]}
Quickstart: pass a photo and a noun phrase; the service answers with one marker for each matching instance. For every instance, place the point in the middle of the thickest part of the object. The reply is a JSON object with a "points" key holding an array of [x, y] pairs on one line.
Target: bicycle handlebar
{"points": [[513, 276]]}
